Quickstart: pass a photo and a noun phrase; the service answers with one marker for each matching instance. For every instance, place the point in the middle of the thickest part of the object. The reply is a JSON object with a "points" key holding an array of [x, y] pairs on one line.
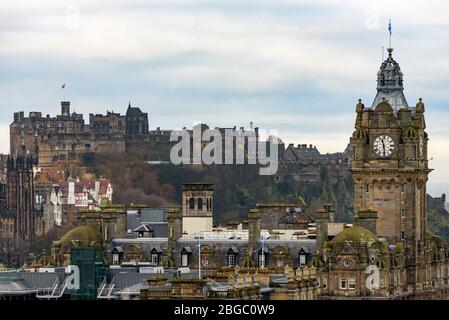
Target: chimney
{"points": [[254, 226], [330, 209], [321, 220], [367, 219], [174, 218]]}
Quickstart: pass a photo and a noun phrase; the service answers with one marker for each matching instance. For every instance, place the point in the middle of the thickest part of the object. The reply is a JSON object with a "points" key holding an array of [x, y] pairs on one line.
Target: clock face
{"points": [[347, 264], [280, 263], [383, 146]]}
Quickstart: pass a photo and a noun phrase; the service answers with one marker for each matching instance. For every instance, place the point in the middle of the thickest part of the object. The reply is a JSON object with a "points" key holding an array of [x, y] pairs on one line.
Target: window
{"points": [[403, 188], [343, 283], [263, 259], [185, 260], [402, 235], [191, 203], [402, 213], [200, 203], [231, 260], [324, 283], [302, 259], [115, 259], [351, 283], [155, 258], [366, 188]]}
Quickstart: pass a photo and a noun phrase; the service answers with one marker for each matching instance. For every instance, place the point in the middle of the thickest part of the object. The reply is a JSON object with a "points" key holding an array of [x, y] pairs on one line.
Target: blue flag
{"points": [[389, 26]]}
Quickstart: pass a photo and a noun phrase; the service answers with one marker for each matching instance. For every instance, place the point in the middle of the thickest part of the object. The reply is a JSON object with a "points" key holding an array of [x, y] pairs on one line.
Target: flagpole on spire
{"points": [[63, 92], [389, 29]]}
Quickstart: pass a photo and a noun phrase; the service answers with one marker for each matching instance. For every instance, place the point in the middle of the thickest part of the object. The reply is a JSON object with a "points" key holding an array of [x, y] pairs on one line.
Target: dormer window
{"points": [[303, 257], [186, 253], [117, 256], [263, 257], [155, 255], [232, 256]]}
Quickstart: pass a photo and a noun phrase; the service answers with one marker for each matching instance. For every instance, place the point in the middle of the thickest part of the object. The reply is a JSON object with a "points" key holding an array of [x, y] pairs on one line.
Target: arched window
{"points": [[191, 203], [200, 203]]}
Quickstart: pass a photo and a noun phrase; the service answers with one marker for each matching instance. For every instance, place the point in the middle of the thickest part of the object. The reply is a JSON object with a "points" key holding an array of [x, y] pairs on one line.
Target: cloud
{"points": [[296, 66]]}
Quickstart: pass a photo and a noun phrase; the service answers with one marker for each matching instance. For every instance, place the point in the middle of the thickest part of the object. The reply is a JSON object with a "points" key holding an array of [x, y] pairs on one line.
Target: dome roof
{"points": [[84, 235], [356, 235]]}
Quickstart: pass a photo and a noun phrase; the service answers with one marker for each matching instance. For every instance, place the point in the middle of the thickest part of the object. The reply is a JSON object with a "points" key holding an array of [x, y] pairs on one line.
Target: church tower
{"points": [[390, 166]]}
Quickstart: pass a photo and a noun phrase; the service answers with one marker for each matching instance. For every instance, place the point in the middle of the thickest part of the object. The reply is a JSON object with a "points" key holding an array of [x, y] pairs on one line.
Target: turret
{"points": [[65, 108]]}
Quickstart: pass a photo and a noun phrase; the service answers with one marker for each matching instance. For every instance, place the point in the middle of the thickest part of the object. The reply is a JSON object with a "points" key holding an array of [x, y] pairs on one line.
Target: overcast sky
{"points": [[295, 66]]}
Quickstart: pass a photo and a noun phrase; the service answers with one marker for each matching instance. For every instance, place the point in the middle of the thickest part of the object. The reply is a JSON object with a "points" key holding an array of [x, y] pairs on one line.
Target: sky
{"points": [[297, 67]]}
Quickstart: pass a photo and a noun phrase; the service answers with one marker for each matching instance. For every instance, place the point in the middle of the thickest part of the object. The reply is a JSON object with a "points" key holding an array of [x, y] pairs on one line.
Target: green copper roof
{"points": [[355, 234], [83, 235]]}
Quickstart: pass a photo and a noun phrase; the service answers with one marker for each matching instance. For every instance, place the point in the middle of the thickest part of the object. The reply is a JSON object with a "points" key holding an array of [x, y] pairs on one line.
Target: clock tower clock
{"points": [[389, 162]]}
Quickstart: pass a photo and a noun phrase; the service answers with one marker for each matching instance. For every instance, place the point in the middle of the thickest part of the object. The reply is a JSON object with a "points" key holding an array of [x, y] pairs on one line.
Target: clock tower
{"points": [[389, 163]]}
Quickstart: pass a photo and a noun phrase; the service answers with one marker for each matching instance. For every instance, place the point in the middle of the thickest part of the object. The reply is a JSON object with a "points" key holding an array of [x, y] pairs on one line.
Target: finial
{"points": [[390, 50], [420, 99], [360, 100], [129, 104]]}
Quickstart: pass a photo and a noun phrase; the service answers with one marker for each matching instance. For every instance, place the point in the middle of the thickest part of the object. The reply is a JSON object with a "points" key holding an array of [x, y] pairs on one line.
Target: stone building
{"points": [[389, 253], [197, 207], [66, 198], [67, 137], [136, 121], [20, 211]]}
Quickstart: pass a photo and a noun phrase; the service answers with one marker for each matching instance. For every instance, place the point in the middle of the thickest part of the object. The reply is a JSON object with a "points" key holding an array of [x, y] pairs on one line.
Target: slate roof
{"points": [[40, 280], [11, 283], [143, 228]]}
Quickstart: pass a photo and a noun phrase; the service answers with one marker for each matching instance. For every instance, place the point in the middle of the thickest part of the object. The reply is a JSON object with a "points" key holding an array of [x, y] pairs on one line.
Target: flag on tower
{"points": [[63, 86], [389, 26]]}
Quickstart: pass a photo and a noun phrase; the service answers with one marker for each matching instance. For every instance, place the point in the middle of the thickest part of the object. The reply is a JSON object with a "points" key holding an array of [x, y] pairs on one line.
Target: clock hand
{"points": [[383, 145]]}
